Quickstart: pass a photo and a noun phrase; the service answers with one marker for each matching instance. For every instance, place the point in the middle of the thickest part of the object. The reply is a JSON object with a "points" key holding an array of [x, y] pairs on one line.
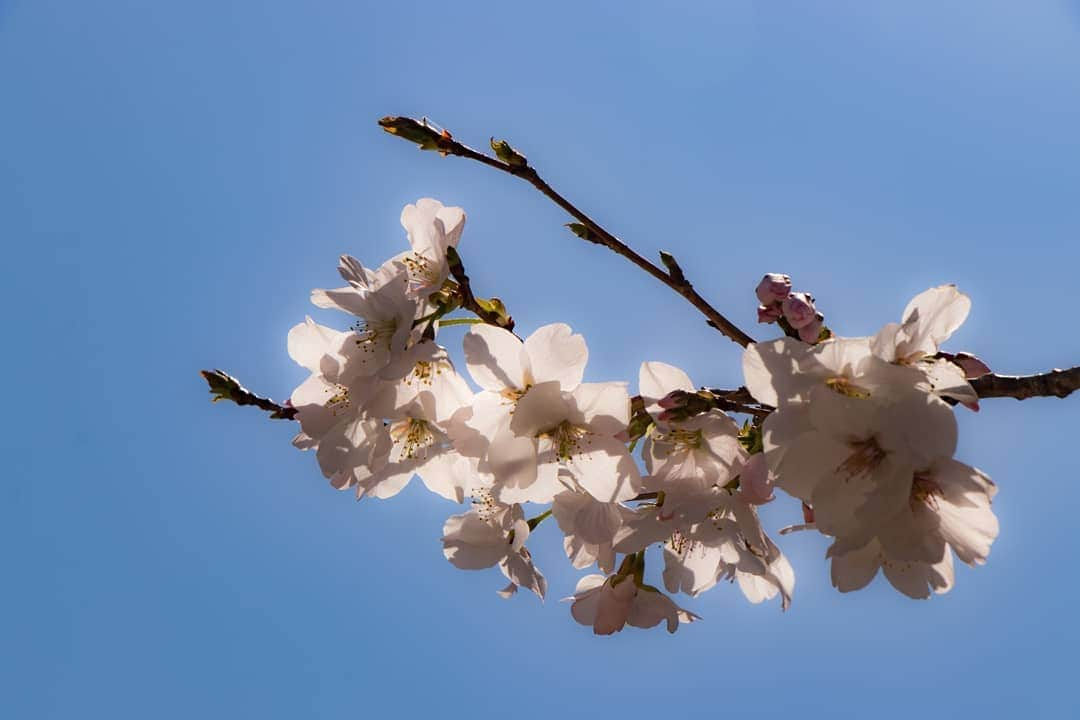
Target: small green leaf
{"points": [[508, 154], [583, 232]]}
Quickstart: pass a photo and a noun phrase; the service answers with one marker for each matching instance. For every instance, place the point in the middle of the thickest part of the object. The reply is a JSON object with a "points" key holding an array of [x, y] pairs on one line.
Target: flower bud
{"points": [[773, 288], [799, 309], [768, 313], [674, 399], [972, 366], [755, 485], [810, 332]]}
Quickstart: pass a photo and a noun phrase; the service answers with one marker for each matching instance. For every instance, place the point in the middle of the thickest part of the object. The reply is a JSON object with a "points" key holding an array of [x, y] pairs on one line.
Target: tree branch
{"points": [[430, 138], [1056, 383], [224, 386]]}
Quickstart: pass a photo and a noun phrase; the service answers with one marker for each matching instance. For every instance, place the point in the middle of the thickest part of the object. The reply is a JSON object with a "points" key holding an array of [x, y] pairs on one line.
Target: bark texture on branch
{"points": [[1056, 383]]}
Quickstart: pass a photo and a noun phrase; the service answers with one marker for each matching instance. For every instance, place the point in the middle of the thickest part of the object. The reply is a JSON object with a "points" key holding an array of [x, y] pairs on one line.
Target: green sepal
{"points": [[583, 232], [509, 155]]}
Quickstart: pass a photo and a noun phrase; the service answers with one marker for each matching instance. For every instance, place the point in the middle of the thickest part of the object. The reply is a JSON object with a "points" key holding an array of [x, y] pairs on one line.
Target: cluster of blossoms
{"points": [[861, 430]]}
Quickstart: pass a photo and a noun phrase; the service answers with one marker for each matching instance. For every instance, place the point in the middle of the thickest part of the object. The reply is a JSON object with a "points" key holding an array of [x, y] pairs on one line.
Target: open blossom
{"points": [[589, 528], [384, 329], [949, 510], [728, 543], [609, 604], [575, 431], [432, 228], [929, 320], [853, 459], [506, 368], [335, 391], [703, 449], [494, 534]]}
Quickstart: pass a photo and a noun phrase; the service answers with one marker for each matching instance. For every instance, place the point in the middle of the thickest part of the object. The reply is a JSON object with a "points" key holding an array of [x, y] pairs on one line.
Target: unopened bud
{"points": [[972, 366], [810, 332], [508, 154], [755, 485], [769, 313], [807, 513], [674, 399], [799, 309], [773, 288]]}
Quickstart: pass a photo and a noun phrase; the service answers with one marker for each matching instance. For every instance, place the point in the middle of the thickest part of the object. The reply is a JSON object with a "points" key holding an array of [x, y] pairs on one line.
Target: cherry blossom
{"points": [[608, 604], [494, 534]]}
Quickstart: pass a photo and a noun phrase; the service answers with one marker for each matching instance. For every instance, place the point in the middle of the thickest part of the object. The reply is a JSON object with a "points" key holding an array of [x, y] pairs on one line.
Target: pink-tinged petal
{"points": [[755, 485], [556, 354], [769, 313], [540, 410], [651, 607], [972, 366], [495, 358]]}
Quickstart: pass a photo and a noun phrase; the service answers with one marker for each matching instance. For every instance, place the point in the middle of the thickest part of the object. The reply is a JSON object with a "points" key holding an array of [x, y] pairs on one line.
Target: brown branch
{"points": [[430, 138], [1056, 383], [224, 386]]}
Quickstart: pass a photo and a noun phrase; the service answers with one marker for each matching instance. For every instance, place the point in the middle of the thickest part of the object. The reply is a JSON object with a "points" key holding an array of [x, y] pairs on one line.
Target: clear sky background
{"points": [[176, 177]]}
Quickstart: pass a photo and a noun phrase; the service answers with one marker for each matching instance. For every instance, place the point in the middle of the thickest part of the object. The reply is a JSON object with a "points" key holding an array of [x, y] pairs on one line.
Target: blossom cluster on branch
{"points": [[861, 430]]}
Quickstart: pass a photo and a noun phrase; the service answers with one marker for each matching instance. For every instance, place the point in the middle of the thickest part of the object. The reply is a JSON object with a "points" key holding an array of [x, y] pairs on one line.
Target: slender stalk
{"points": [[427, 137]]}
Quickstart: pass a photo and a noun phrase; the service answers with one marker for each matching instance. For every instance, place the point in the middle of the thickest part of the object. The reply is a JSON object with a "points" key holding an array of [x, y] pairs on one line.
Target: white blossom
{"points": [[608, 604], [493, 534]]}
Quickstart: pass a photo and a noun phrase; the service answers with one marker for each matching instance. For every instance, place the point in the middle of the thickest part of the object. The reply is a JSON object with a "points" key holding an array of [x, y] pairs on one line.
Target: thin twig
{"points": [[1056, 383], [428, 137], [224, 386]]}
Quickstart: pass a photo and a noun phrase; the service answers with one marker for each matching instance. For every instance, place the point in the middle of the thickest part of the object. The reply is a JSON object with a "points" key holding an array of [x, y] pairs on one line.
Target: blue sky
{"points": [[176, 177]]}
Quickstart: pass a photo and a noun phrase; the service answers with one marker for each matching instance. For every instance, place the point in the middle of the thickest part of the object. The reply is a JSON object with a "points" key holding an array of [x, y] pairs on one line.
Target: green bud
{"points": [[508, 154], [583, 232], [673, 268], [421, 132]]}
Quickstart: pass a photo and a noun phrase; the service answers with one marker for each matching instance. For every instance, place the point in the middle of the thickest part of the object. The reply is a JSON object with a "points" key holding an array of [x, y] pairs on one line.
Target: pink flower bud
{"points": [[773, 288], [972, 366], [674, 399], [809, 333], [799, 309], [755, 485], [768, 313]]}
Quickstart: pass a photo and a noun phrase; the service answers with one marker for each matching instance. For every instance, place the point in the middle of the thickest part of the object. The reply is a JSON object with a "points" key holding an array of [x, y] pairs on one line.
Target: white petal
{"points": [[601, 407], [555, 353], [495, 358], [854, 570], [542, 408], [605, 469], [657, 379]]}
